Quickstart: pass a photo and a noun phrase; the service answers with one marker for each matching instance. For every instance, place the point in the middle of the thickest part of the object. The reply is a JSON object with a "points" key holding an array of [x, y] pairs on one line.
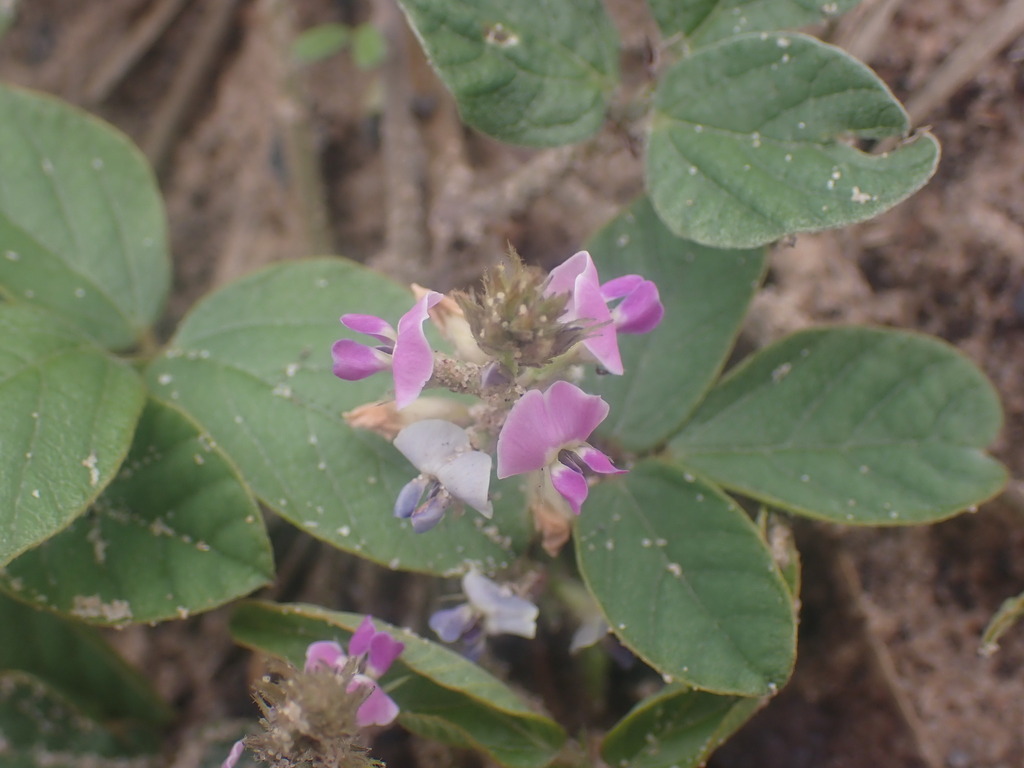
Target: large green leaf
{"points": [[43, 729], [533, 73], [252, 365], [707, 21], [175, 533], [677, 727], [750, 142], [705, 292], [441, 694], [853, 425], [715, 613], [76, 661], [82, 228], [69, 411]]}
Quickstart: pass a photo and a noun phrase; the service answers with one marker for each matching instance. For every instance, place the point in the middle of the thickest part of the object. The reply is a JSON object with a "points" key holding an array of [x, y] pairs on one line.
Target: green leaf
{"points": [[320, 42], [1009, 613], [705, 292], [677, 727], [856, 425], [534, 73], [174, 534], [715, 612], [707, 21], [368, 47], [750, 142], [69, 415], [42, 729], [441, 694], [82, 228], [252, 365], [76, 661]]}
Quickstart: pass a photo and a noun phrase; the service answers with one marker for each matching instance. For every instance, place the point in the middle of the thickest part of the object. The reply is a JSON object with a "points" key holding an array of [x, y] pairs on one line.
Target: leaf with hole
{"points": [[706, 293], [534, 73], [175, 533], [441, 694], [252, 365], [753, 139], [715, 614], [856, 425], [70, 412], [82, 228]]}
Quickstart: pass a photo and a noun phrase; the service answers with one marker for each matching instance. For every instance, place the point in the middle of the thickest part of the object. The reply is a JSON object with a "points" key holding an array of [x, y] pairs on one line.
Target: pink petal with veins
{"points": [[640, 310], [597, 461], [571, 484], [371, 325]]}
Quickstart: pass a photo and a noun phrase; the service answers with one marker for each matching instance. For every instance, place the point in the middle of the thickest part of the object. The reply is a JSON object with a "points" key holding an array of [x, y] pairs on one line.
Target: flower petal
{"points": [[410, 495], [640, 310], [430, 444], [597, 461], [354, 361], [430, 512], [236, 752], [413, 357], [512, 615], [324, 652], [384, 649], [371, 325], [450, 624], [467, 477], [378, 708], [571, 484], [589, 305], [360, 642], [562, 279], [542, 423]]}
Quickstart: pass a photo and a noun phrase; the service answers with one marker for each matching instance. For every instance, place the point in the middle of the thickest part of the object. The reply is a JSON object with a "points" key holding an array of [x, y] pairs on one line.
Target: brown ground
{"points": [[260, 161]]}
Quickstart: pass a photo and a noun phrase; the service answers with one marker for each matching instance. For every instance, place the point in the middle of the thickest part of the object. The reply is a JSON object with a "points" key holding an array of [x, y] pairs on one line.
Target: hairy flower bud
{"points": [[514, 321]]}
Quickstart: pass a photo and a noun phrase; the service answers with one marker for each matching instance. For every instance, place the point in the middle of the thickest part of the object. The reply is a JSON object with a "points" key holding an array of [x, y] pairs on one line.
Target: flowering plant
{"points": [[474, 434]]}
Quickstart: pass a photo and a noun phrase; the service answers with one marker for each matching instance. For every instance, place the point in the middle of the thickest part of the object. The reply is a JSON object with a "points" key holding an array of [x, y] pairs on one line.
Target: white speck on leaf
{"points": [[89, 462], [859, 197], [12, 255], [675, 569], [500, 36], [781, 372], [291, 369], [47, 166], [198, 458], [646, 543], [782, 42], [282, 390], [97, 163], [93, 607], [35, 493]]}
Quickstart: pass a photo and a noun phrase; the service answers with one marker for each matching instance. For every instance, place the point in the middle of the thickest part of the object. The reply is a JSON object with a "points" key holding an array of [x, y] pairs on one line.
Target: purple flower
{"points": [[406, 351], [233, 756], [638, 310], [450, 470], [492, 610], [379, 649], [548, 431]]}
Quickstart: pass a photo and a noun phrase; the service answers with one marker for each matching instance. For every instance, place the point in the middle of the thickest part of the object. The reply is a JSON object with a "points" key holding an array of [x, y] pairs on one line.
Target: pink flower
{"points": [[638, 310], [380, 650], [548, 431], [406, 351]]}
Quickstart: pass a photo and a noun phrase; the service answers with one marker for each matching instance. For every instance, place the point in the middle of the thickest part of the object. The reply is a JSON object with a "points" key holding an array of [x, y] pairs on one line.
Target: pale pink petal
{"points": [[371, 326], [384, 649], [572, 413], [597, 461], [640, 310], [571, 484], [562, 278], [354, 361], [325, 652], [431, 443], [413, 357], [236, 752]]}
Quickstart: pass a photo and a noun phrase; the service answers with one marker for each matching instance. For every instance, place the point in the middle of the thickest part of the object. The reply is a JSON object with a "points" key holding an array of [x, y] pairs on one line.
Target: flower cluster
{"points": [[313, 716], [517, 341]]}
